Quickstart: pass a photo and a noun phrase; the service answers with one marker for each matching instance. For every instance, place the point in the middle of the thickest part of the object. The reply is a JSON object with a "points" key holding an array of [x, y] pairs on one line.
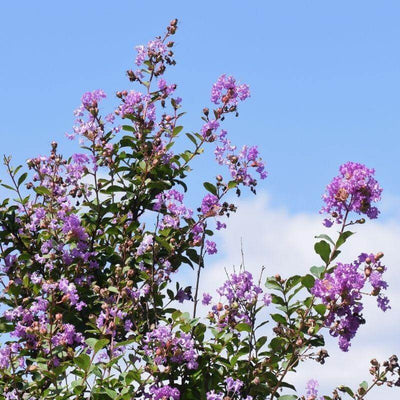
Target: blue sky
{"points": [[324, 78], [325, 90]]}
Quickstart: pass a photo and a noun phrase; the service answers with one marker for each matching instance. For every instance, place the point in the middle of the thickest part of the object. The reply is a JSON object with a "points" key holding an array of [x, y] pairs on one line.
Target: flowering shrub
{"points": [[91, 243]]}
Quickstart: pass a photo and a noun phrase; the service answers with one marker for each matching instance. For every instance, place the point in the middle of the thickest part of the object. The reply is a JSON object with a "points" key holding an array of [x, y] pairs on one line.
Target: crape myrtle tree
{"points": [[90, 244]]}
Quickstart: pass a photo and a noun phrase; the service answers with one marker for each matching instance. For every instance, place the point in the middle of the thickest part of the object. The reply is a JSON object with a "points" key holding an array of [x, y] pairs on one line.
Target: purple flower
{"points": [[383, 303], [165, 392], [183, 295], [342, 289], [145, 244], [155, 48], [240, 165], [171, 202], [209, 128], [353, 190], [233, 385], [167, 89], [227, 91], [267, 299], [312, 390], [206, 299], [72, 228], [214, 396], [211, 247], [210, 205], [220, 225], [90, 99], [12, 395], [239, 294], [164, 347]]}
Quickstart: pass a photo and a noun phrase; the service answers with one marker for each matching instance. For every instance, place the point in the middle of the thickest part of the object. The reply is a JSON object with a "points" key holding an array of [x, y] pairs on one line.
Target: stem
{"points": [[201, 265]]}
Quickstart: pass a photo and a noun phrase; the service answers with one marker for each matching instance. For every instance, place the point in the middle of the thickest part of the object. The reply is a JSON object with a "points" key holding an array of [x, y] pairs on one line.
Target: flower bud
{"points": [[59, 317], [256, 381]]}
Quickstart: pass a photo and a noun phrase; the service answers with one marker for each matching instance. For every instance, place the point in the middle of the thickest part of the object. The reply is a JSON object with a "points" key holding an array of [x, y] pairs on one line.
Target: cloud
{"points": [[283, 243]]}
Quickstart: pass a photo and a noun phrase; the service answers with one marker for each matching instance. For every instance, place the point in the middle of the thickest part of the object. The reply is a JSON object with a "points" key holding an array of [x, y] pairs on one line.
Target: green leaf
{"points": [[320, 308], [317, 271], [192, 138], [278, 300], [177, 130], [308, 281], [346, 389], [112, 393], [83, 361], [232, 184], [22, 178], [128, 128], [8, 187], [42, 190], [288, 397], [163, 243], [323, 249], [210, 187], [326, 237], [243, 327], [279, 318], [97, 344], [364, 385], [292, 282], [271, 283], [113, 289], [277, 343], [343, 237], [261, 341]]}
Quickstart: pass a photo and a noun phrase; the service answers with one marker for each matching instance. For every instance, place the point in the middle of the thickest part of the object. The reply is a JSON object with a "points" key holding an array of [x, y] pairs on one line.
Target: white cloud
{"points": [[283, 243]]}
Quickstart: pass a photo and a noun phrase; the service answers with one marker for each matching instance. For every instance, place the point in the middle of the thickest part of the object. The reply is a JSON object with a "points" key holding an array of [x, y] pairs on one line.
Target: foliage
{"points": [[89, 246]]}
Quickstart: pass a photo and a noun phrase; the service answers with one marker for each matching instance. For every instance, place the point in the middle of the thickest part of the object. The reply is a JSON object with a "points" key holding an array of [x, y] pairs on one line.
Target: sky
{"points": [[325, 83]]}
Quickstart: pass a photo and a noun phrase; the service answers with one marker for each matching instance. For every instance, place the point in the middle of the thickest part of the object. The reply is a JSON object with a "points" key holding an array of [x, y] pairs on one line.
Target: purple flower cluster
{"points": [[239, 293], [155, 48], [164, 393], [209, 130], [171, 202], [145, 244], [137, 104], [211, 247], [341, 291], [71, 294], [91, 99], [227, 91], [9, 353], [353, 190], [32, 321], [164, 87], [157, 53], [88, 124], [13, 395], [240, 164], [312, 390], [165, 347], [67, 335], [60, 182], [110, 315], [233, 387], [210, 205], [206, 299]]}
